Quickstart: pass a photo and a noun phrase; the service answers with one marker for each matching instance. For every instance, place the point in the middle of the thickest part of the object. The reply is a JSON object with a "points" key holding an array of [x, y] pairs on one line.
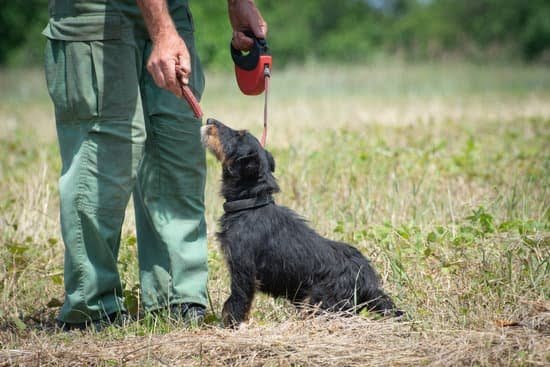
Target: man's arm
{"points": [[169, 50]]}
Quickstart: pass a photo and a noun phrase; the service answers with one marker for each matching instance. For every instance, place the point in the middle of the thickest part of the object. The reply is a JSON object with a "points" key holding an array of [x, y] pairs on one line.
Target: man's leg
{"points": [[99, 119], [169, 197]]}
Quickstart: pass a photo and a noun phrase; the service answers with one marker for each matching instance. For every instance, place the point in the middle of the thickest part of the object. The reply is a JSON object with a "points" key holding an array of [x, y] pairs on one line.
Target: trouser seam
{"points": [[80, 204]]}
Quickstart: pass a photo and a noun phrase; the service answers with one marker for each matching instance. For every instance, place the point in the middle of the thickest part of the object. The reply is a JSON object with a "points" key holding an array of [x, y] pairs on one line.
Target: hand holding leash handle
{"points": [[251, 66], [253, 70]]}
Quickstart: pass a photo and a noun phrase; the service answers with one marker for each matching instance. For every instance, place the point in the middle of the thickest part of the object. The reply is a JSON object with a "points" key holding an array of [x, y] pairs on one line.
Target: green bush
{"points": [[343, 31]]}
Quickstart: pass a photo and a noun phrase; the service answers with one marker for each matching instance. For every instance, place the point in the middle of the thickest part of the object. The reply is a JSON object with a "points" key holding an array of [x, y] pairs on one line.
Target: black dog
{"points": [[270, 248]]}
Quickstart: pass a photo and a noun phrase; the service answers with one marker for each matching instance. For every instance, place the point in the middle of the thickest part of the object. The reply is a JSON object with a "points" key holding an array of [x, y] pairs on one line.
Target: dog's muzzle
{"points": [[210, 138]]}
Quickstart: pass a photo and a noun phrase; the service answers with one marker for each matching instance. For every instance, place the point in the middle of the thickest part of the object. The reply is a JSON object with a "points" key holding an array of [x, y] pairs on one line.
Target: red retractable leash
{"points": [[252, 71]]}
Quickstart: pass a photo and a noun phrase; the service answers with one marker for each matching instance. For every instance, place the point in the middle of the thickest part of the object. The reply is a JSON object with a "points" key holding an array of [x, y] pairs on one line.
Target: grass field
{"points": [[438, 173]]}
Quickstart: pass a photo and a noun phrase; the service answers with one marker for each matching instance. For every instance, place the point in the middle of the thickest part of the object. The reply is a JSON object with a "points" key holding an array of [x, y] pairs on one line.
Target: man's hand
{"points": [[244, 16], [169, 63]]}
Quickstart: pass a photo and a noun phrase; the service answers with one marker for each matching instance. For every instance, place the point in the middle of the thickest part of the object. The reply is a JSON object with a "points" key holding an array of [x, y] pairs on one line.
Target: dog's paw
{"points": [[229, 321]]}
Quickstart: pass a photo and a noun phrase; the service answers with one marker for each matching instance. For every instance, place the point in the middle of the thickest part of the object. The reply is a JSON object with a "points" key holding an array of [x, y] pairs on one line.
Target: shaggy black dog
{"points": [[271, 249]]}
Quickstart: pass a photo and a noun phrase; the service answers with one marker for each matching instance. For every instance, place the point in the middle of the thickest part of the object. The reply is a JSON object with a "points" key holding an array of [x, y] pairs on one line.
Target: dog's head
{"points": [[247, 167]]}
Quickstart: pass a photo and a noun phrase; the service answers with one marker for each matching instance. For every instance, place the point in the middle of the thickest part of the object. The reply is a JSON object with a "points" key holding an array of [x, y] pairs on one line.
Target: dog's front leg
{"points": [[237, 306]]}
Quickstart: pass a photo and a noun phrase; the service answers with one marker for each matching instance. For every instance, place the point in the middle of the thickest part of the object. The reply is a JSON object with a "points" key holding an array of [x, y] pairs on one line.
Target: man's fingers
{"points": [[168, 67], [183, 70], [171, 82], [169, 75], [244, 15], [183, 78], [258, 25], [262, 31], [241, 42], [156, 72]]}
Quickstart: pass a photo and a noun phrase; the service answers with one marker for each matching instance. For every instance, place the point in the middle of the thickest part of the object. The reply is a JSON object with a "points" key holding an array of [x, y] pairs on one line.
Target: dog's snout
{"points": [[207, 129], [213, 122], [210, 138]]}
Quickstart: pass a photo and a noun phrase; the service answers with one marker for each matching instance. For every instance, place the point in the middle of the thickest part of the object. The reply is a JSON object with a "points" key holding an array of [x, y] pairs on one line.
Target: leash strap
{"points": [[267, 75], [188, 94], [190, 98]]}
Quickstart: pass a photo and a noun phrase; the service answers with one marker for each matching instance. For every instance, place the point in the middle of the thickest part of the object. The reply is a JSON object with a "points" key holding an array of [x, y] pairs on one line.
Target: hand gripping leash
{"points": [[252, 71]]}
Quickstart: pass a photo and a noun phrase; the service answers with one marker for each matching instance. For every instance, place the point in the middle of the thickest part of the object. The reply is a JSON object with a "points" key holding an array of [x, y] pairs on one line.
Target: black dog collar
{"points": [[245, 204]]}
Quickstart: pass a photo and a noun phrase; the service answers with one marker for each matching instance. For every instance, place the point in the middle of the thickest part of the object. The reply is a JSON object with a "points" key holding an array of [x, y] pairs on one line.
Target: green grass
{"points": [[438, 173]]}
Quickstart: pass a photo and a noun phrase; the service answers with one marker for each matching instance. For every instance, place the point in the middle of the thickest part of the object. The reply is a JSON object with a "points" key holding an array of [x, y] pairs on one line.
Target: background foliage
{"points": [[347, 30]]}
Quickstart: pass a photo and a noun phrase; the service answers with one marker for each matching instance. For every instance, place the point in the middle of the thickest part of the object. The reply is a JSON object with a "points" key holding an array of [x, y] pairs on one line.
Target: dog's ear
{"points": [[249, 165], [271, 161]]}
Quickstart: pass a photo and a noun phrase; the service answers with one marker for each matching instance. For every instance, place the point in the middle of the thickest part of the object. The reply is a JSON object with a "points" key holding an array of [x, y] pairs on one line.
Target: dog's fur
{"points": [[271, 249]]}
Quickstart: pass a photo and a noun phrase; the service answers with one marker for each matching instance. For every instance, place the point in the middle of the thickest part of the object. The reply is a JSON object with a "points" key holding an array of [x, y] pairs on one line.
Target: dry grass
{"points": [[322, 341], [439, 173]]}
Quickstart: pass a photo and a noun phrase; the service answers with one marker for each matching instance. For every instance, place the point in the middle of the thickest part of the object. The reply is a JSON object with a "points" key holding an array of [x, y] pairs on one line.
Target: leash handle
{"points": [[188, 94], [190, 98], [252, 71], [249, 66]]}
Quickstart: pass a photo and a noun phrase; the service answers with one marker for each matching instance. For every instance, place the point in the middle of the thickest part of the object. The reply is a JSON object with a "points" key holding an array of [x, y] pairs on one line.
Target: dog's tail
{"points": [[381, 303]]}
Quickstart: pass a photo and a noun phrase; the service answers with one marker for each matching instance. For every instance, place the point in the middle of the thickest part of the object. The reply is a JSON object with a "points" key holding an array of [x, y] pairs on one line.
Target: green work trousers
{"points": [[120, 134]]}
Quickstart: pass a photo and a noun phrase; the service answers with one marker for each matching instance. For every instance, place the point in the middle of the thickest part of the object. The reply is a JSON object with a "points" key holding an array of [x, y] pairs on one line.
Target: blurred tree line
{"points": [[344, 30]]}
